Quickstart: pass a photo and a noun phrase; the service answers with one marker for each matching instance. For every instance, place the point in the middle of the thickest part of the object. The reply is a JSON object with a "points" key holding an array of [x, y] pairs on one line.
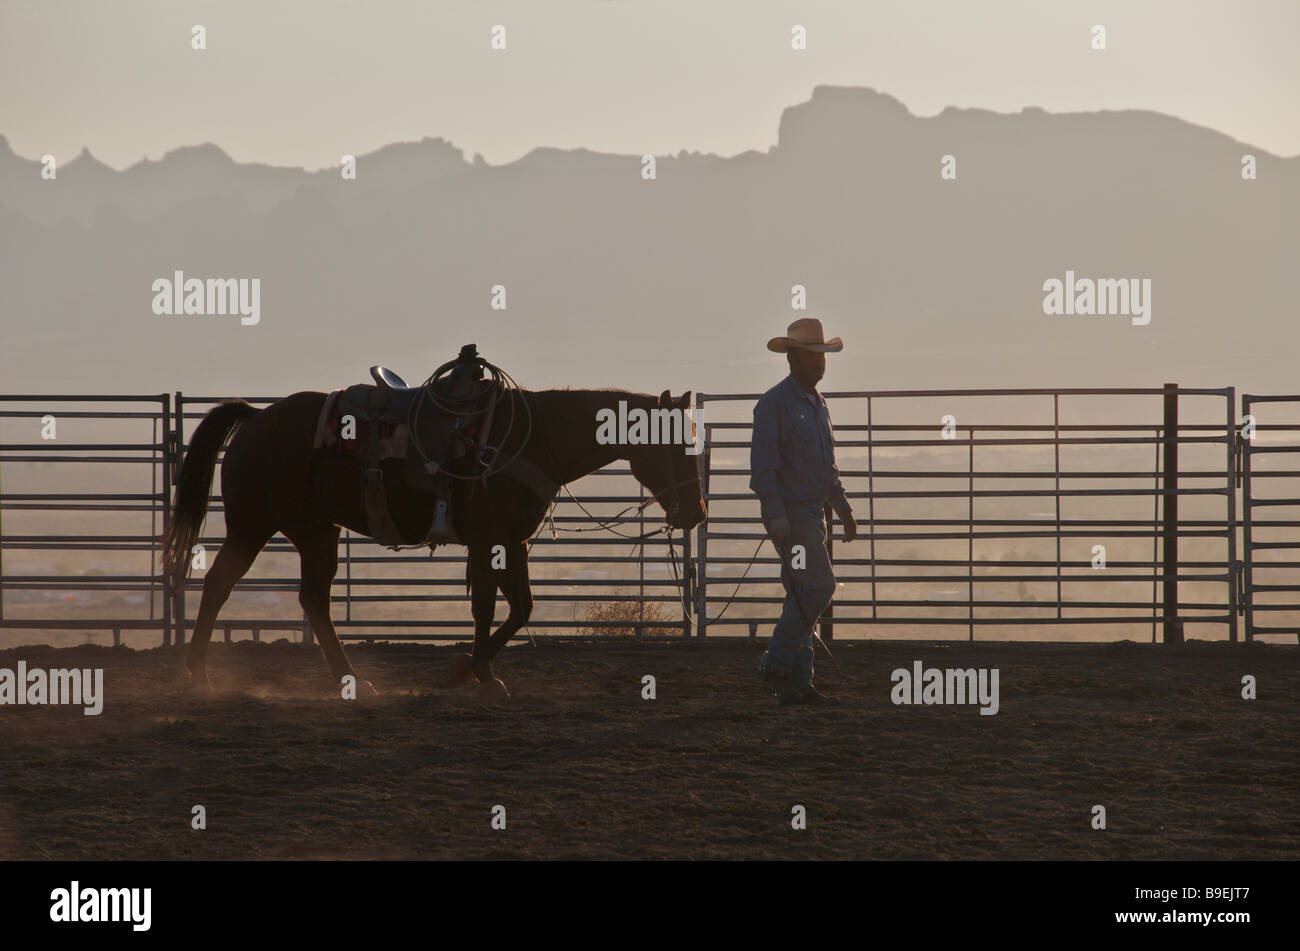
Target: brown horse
{"points": [[273, 480]]}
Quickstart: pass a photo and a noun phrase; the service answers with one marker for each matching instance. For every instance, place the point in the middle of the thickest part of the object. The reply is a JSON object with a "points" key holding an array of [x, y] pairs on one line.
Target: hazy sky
{"points": [[302, 83]]}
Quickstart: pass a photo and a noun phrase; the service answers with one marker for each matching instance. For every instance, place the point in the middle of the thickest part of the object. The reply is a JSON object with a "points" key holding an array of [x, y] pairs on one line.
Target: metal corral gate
{"points": [[989, 492], [43, 509], [944, 498], [1259, 461]]}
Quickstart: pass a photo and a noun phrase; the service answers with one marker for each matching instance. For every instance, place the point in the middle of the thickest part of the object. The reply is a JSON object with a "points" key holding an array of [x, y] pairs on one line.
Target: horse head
{"points": [[671, 473]]}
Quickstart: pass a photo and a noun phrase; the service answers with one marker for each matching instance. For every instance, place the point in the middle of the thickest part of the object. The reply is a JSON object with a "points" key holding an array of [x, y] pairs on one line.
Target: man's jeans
{"points": [[808, 590]]}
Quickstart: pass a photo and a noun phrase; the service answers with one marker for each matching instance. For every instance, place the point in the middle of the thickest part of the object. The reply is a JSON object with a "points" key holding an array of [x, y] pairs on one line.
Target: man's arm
{"points": [[840, 503], [839, 499], [765, 460]]}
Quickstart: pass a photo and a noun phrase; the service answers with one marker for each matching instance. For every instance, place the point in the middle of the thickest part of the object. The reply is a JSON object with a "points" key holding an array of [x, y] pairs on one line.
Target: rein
{"points": [[620, 518]]}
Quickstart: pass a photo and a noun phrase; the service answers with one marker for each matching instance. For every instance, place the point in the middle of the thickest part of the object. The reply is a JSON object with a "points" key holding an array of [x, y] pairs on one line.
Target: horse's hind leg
{"points": [[519, 595], [318, 549], [230, 564]]}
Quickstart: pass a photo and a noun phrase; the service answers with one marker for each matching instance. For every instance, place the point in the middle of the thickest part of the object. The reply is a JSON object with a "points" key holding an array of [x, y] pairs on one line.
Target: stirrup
{"points": [[441, 530], [439, 526]]}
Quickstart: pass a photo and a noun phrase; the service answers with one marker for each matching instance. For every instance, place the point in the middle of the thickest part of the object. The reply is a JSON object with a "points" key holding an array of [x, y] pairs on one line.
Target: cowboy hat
{"points": [[805, 334]]}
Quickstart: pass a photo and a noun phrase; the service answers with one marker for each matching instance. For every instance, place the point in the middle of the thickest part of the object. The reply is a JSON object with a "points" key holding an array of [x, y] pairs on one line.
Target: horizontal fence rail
{"points": [[1096, 509]]}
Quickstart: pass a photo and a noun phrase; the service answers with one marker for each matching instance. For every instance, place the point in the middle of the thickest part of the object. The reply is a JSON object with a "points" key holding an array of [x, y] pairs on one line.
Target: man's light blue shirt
{"points": [[792, 456]]}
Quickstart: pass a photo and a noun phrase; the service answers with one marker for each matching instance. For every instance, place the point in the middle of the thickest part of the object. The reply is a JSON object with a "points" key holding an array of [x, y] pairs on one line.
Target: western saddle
{"points": [[445, 419], [388, 394]]}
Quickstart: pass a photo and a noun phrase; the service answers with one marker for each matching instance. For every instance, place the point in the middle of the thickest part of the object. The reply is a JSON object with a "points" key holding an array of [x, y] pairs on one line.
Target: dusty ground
{"points": [[710, 769]]}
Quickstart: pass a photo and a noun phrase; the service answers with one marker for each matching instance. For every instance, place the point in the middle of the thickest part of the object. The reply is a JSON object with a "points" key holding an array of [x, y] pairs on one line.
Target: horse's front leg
{"points": [[483, 598], [512, 578]]}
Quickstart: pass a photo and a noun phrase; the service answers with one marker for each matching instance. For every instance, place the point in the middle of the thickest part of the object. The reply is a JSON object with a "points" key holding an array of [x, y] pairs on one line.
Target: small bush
{"points": [[627, 611]]}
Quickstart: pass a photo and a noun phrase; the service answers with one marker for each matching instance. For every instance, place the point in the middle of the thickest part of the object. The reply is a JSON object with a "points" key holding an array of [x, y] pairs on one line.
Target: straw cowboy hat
{"points": [[805, 334]]}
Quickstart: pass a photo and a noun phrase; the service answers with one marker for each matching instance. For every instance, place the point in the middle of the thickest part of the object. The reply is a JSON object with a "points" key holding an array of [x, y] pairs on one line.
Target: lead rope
{"points": [[794, 592]]}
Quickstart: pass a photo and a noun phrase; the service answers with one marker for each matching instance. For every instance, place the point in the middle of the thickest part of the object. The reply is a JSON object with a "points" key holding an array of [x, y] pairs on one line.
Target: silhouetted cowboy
{"points": [[793, 471]]}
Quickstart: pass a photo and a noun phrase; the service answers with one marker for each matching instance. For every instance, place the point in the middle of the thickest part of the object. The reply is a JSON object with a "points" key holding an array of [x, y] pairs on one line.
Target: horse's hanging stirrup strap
{"points": [[379, 522]]}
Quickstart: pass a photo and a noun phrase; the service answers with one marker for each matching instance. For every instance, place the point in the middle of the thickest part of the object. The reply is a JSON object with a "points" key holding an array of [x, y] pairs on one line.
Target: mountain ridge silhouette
{"points": [[679, 281]]}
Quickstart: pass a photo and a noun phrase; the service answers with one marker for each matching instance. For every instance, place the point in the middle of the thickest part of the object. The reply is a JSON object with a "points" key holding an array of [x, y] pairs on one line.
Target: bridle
{"points": [[673, 507]]}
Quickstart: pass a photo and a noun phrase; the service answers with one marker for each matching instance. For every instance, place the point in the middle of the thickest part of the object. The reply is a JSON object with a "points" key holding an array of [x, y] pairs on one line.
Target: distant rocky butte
{"points": [[676, 282]]}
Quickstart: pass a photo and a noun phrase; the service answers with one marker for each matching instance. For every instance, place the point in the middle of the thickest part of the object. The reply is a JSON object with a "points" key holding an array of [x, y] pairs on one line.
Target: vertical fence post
{"points": [[1155, 531], [1056, 447], [157, 456], [1247, 545], [167, 450], [702, 531], [347, 557], [2, 547], [1233, 567], [639, 630], [970, 542], [1169, 524], [178, 449], [871, 507], [686, 584]]}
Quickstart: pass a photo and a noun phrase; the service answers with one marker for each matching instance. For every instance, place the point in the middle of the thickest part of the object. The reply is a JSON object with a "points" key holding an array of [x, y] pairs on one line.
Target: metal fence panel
{"points": [[972, 523]]}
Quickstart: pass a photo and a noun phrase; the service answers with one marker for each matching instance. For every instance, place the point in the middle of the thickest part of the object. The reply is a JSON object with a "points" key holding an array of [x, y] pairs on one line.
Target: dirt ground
{"points": [[711, 768]]}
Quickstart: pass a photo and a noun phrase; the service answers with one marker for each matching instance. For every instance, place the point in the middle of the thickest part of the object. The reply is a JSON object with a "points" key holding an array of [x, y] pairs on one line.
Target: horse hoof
{"points": [[462, 670], [493, 689]]}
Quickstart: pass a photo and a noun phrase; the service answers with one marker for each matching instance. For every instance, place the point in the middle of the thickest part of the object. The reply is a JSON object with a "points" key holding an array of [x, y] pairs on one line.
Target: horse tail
{"points": [[194, 486]]}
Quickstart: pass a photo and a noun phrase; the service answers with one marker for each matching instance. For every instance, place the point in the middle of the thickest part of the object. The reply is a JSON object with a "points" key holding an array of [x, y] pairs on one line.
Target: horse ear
{"points": [[686, 400], [665, 400]]}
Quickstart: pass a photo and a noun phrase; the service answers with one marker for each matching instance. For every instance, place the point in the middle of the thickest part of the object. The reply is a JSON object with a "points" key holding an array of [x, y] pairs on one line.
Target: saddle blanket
{"points": [[394, 435]]}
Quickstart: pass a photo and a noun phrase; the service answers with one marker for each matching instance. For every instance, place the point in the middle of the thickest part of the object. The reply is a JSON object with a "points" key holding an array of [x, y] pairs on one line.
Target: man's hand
{"points": [[778, 528], [850, 526]]}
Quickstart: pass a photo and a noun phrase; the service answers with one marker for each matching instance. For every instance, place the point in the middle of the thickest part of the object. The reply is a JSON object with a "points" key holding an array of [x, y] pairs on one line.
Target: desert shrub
{"points": [[626, 611]]}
